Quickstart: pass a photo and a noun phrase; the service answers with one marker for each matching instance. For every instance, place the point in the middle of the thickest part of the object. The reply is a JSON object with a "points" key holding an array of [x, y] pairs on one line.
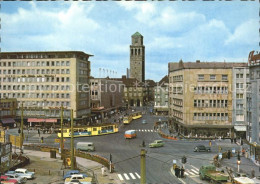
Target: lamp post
{"points": [[61, 133], [72, 142], [21, 131]]}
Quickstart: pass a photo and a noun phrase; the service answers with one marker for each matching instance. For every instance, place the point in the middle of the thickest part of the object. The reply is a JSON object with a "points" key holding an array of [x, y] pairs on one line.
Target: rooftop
{"points": [[173, 66], [164, 80], [137, 34]]}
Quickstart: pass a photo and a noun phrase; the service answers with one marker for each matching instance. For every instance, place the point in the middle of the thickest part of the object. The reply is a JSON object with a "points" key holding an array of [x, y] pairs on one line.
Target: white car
{"points": [[16, 177], [78, 179], [23, 173]]}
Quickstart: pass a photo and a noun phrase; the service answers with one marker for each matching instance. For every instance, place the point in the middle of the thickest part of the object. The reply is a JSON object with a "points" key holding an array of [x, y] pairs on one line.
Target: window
{"points": [[224, 77], [239, 85], [212, 77], [239, 96], [67, 63], [200, 77]]}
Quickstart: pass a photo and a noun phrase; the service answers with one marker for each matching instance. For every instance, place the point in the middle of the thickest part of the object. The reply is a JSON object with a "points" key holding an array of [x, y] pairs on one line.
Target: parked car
{"points": [[6, 180], [85, 146], [71, 172], [200, 148], [78, 178], [237, 174], [17, 177], [23, 173], [74, 182], [156, 143]]}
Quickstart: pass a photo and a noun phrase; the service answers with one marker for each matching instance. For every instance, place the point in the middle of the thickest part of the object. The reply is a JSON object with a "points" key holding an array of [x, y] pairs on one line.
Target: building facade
{"points": [[200, 98], [161, 105], [137, 58], [150, 86], [106, 96], [240, 87], [8, 112], [253, 98], [44, 81]]}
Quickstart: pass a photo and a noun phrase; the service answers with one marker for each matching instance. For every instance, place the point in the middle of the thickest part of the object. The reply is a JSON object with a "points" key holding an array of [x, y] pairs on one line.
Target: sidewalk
{"points": [[42, 163], [246, 165]]}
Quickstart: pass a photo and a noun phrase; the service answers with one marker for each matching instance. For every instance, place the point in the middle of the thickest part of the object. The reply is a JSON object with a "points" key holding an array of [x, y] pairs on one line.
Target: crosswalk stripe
{"points": [[194, 167], [195, 171], [145, 130], [139, 130], [148, 130], [185, 173], [126, 176], [131, 174], [120, 177], [151, 130], [142, 130], [138, 175], [191, 173]]}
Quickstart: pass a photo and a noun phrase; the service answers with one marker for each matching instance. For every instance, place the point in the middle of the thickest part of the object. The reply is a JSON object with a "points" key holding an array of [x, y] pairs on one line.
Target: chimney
{"points": [[181, 64]]}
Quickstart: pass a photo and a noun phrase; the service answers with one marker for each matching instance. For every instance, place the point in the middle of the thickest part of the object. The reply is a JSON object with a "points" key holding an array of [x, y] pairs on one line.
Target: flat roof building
{"points": [[44, 81]]}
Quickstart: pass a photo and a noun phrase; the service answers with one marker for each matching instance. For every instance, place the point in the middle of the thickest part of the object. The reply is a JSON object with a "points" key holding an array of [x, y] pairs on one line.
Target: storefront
{"points": [[8, 122]]}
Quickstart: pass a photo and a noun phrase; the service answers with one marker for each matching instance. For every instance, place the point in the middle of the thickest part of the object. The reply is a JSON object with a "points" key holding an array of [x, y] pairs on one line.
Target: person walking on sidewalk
{"points": [[252, 173], [182, 172], [103, 170]]}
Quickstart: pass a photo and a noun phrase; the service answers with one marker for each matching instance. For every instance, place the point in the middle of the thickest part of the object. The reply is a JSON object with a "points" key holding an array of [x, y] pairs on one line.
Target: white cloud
{"points": [[245, 33]]}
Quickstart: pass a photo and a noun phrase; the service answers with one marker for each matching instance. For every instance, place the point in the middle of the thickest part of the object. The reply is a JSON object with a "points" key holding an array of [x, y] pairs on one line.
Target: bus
{"points": [[89, 130]]}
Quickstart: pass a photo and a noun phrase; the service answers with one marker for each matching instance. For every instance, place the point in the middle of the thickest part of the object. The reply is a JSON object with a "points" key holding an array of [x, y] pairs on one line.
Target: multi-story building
{"points": [[135, 93], [44, 81], [106, 96], [200, 98], [253, 97], [161, 106], [150, 85], [8, 112], [240, 86], [137, 58]]}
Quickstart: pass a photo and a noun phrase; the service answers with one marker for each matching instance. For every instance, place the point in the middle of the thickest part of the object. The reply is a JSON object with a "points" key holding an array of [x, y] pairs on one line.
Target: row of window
{"points": [[35, 79], [177, 114], [35, 87], [212, 77], [161, 104], [136, 51], [134, 94], [46, 104], [47, 113], [159, 96], [7, 104], [37, 95], [35, 71], [210, 116], [176, 78], [7, 113], [210, 103], [241, 76], [176, 101], [210, 90], [176, 90], [34, 63]]}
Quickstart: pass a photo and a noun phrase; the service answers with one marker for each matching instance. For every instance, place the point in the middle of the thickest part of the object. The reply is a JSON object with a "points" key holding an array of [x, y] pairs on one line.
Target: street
{"points": [[126, 152]]}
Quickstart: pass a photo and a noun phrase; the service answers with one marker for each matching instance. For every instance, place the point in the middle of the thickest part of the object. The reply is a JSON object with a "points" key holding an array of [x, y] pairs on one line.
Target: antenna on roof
{"points": [[99, 72]]}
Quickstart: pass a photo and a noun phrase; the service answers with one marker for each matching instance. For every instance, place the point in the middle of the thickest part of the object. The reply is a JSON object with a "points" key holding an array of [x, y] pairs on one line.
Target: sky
{"points": [[205, 31]]}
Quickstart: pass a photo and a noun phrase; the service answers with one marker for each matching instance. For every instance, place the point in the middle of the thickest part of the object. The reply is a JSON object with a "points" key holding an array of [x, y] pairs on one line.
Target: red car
{"points": [[6, 180]]}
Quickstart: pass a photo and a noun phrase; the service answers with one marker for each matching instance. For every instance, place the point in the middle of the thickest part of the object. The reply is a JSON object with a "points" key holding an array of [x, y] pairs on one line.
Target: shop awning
{"points": [[240, 128], [7, 120], [37, 120]]}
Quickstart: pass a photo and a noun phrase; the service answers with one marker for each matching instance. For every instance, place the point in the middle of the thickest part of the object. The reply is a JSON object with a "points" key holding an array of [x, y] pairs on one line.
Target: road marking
{"points": [[126, 176], [185, 173], [182, 181], [191, 173], [139, 130], [142, 130], [138, 175], [120, 177], [131, 174], [195, 171], [151, 130], [194, 167], [145, 130], [148, 130]]}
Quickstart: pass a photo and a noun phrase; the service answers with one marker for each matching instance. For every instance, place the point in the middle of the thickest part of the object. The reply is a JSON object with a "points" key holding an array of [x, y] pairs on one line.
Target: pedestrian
{"points": [[175, 169], [229, 154], [143, 143], [210, 143], [235, 140], [103, 170], [231, 141], [177, 172], [252, 173], [41, 139], [182, 172]]}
